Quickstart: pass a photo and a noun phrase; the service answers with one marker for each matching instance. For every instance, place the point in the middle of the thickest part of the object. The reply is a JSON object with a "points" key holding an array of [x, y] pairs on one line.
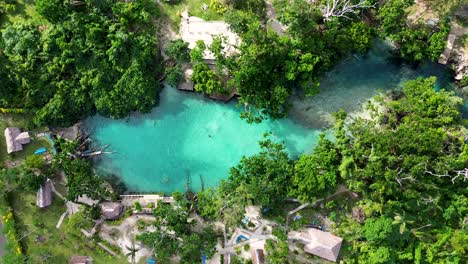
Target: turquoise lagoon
{"points": [[190, 137], [186, 136]]}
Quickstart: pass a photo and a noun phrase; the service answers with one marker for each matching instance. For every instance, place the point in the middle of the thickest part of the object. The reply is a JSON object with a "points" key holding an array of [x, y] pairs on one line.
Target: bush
{"points": [[141, 225], [330, 205], [218, 7], [138, 207], [178, 50], [246, 247], [464, 81], [12, 247], [174, 75]]}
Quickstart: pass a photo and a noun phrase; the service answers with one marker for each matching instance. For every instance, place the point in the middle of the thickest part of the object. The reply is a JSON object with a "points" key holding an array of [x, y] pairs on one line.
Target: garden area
{"points": [[21, 121], [42, 241]]}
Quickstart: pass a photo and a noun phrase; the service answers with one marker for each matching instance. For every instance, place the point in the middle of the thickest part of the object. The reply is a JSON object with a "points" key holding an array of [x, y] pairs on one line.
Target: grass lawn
{"points": [[24, 10], [56, 244], [173, 11], [21, 121]]}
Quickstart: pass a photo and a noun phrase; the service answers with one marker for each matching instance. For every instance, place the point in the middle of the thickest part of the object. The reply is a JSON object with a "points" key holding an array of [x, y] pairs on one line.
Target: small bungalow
{"points": [[80, 260], [44, 195], [15, 139], [111, 210], [257, 256], [319, 243]]}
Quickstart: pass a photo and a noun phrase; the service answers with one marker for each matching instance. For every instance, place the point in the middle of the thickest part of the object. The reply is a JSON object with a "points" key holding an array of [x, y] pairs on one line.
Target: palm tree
{"points": [[133, 250], [44, 256]]}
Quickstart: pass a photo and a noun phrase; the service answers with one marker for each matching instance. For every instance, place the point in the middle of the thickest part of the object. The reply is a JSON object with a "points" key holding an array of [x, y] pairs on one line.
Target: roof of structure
{"points": [[44, 195], [80, 260], [23, 138], [319, 243], [10, 136], [111, 210]]}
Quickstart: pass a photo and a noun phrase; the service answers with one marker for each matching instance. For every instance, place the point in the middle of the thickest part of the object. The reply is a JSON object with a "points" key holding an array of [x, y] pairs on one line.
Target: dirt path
{"points": [[455, 32], [275, 24]]}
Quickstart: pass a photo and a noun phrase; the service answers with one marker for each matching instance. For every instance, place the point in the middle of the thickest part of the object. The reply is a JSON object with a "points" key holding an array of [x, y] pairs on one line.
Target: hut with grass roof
{"points": [[111, 210], [44, 195], [15, 139]]}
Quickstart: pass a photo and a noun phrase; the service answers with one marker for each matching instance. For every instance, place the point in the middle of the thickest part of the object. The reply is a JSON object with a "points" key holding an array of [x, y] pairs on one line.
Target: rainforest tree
{"points": [[96, 56]]}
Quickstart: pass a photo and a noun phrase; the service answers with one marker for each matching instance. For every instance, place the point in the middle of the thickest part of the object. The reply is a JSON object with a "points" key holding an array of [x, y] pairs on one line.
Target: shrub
{"points": [[12, 247], [174, 75], [330, 205], [138, 207], [218, 7], [246, 247], [178, 50], [464, 81]]}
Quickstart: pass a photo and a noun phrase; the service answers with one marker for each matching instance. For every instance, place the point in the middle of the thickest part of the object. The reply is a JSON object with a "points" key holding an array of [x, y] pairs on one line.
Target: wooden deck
{"points": [[186, 86]]}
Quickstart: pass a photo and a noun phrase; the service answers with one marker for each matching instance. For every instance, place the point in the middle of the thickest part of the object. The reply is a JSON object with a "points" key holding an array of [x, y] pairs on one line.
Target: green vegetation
{"points": [[31, 231], [12, 11], [417, 42], [178, 51], [177, 237], [271, 66], [95, 57], [57, 246], [407, 164], [81, 179], [402, 162]]}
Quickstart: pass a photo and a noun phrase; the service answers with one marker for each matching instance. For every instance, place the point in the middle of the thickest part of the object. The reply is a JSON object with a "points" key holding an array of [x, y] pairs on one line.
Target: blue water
{"points": [[189, 136], [186, 135]]}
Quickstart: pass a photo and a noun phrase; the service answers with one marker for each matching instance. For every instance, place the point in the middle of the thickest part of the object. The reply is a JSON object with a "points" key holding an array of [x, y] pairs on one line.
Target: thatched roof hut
{"points": [[80, 260], [15, 139], [44, 195], [111, 210], [319, 243]]}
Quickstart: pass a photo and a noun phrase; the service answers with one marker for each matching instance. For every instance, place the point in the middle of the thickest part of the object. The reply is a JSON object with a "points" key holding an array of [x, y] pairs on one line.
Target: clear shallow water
{"points": [[358, 79], [188, 136]]}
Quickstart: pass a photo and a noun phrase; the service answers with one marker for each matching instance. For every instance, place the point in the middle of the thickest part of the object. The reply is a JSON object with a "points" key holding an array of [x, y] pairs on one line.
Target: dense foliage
{"points": [[316, 174], [91, 56], [407, 163], [261, 179], [272, 63], [81, 178], [417, 41], [173, 236]]}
